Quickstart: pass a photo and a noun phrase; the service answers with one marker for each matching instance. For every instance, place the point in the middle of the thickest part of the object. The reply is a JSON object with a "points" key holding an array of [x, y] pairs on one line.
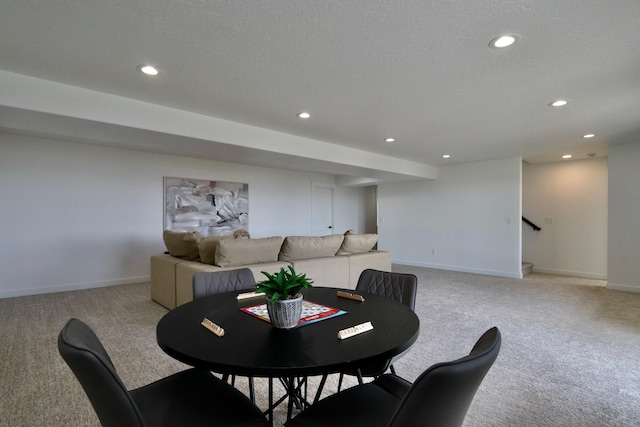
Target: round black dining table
{"points": [[251, 346]]}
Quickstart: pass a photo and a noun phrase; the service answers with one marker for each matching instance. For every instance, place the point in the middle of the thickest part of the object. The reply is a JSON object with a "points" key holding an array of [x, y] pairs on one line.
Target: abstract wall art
{"points": [[214, 208]]}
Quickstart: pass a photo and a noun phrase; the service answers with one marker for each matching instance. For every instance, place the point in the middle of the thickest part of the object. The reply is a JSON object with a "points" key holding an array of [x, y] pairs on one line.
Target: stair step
{"points": [[527, 268]]}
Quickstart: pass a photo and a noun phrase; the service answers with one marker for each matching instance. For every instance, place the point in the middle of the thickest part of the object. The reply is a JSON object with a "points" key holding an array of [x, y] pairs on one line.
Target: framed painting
{"points": [[214, 208]]}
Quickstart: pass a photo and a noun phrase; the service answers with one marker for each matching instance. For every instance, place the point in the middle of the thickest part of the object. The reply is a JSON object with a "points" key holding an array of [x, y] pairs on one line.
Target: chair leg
{"points": [[393, 369], [271, 408], [290, 389], [252, 391], [320, 387], [358, 375]]}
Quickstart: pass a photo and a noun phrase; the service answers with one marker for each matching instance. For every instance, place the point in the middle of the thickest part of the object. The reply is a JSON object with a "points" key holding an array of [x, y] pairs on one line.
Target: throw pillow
{"points": [[357, 243], [207, 247], [241, 234], [182, 244]]}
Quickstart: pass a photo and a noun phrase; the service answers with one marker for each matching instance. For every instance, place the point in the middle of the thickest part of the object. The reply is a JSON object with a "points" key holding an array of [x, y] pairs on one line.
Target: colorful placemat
{"points": [[311, 312]]}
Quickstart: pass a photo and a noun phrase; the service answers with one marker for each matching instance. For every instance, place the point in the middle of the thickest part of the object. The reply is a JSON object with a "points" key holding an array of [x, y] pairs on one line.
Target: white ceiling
{"points": [[418, 71]]}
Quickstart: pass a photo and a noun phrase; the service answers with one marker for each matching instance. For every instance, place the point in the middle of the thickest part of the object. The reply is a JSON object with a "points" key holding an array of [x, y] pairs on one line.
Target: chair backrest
{"points": [[82, 350], [441, 396], [399, 287], [217, 282]]}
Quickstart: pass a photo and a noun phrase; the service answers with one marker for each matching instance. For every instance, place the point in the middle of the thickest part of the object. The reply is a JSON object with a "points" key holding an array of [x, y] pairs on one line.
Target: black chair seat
{"points": [[371, 404], [189, 398], [195, 398], [440, 397]]}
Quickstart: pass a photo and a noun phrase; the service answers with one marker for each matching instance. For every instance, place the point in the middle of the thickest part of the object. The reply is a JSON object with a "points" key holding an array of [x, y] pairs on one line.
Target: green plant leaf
{"points": [[283, 284]]}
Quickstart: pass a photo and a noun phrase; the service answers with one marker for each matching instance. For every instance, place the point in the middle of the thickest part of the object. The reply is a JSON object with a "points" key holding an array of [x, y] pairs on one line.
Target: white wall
{"points": [[470, 215], [568, 200], [355, 205], [76, 216], [624, 217]]}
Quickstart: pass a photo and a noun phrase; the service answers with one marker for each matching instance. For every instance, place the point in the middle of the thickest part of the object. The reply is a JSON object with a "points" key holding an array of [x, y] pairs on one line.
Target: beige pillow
{"points": [[207, 247], [182, 244], [357, 243], [305, 247], [233, 252]]}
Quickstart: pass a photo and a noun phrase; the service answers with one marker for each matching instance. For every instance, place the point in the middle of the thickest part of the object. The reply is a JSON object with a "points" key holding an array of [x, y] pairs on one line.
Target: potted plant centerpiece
{"points": [[284, 300]]}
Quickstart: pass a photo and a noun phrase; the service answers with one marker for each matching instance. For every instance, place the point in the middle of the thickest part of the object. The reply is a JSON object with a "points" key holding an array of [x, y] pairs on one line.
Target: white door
{"points": [[322, 210]]}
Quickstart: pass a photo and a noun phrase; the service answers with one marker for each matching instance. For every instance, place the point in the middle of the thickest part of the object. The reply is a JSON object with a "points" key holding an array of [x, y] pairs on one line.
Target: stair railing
{"points": [[535, 227]]}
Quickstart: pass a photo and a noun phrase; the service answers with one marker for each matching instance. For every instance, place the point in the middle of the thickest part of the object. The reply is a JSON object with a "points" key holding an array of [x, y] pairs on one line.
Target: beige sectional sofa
{"points": [[333, 261]]}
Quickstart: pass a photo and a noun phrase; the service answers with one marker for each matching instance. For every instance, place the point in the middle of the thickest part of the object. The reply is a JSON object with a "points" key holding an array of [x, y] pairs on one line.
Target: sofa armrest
{"points": [[377, 260], [163, 279]]}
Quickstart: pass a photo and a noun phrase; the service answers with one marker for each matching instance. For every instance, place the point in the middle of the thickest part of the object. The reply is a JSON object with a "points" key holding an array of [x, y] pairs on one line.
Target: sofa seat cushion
{"points": [[182, 245], [357, 243], [306, 247], [237, 252]]}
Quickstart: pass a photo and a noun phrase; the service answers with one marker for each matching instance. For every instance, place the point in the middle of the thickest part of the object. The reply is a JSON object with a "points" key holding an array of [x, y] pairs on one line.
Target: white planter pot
{"points": [[285, 314]]}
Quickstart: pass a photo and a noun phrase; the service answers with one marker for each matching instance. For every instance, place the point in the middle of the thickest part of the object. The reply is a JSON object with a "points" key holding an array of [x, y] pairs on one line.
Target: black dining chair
{"points": [[440, 397], [217, 282], [399, 287], [188, 398]]}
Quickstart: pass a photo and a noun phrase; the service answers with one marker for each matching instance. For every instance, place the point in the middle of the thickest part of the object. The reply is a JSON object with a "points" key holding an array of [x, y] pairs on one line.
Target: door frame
{"points": [[324, 185]]}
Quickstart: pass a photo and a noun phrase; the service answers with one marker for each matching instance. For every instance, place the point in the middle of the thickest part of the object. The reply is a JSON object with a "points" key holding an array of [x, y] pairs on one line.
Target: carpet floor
{"points": [[569, 355]]}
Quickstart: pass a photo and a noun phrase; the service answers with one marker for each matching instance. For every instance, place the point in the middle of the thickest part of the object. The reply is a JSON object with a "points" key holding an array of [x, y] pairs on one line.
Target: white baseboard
{"points": [[511, 275], [72, 287], [625, 288], [585, 274]]}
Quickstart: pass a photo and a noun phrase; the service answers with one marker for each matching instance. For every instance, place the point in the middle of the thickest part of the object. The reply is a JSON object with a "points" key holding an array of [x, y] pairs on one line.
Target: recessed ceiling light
{"points": [[148, 70], [502, 41], [304, 115], [558, 103], [589, 135], [567, 156], [446, 156], [390, 140]]}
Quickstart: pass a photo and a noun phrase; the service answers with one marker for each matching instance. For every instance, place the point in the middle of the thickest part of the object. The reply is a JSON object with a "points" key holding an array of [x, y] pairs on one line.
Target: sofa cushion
{"points": [[305, 247], [232, 252], [207, 247], [182, 244], [357, 243]]}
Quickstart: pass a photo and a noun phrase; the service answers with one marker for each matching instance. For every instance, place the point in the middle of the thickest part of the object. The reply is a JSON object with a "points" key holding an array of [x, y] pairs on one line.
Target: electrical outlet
{"points": [[433, 251]]}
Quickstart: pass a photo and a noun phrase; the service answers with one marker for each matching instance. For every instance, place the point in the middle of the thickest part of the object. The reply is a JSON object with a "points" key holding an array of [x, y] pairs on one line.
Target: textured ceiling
{"points": [[418, 71]]}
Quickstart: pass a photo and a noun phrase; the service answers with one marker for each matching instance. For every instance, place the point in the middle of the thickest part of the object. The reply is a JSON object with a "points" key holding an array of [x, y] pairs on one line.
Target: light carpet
{"points": [[569, 355]]}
